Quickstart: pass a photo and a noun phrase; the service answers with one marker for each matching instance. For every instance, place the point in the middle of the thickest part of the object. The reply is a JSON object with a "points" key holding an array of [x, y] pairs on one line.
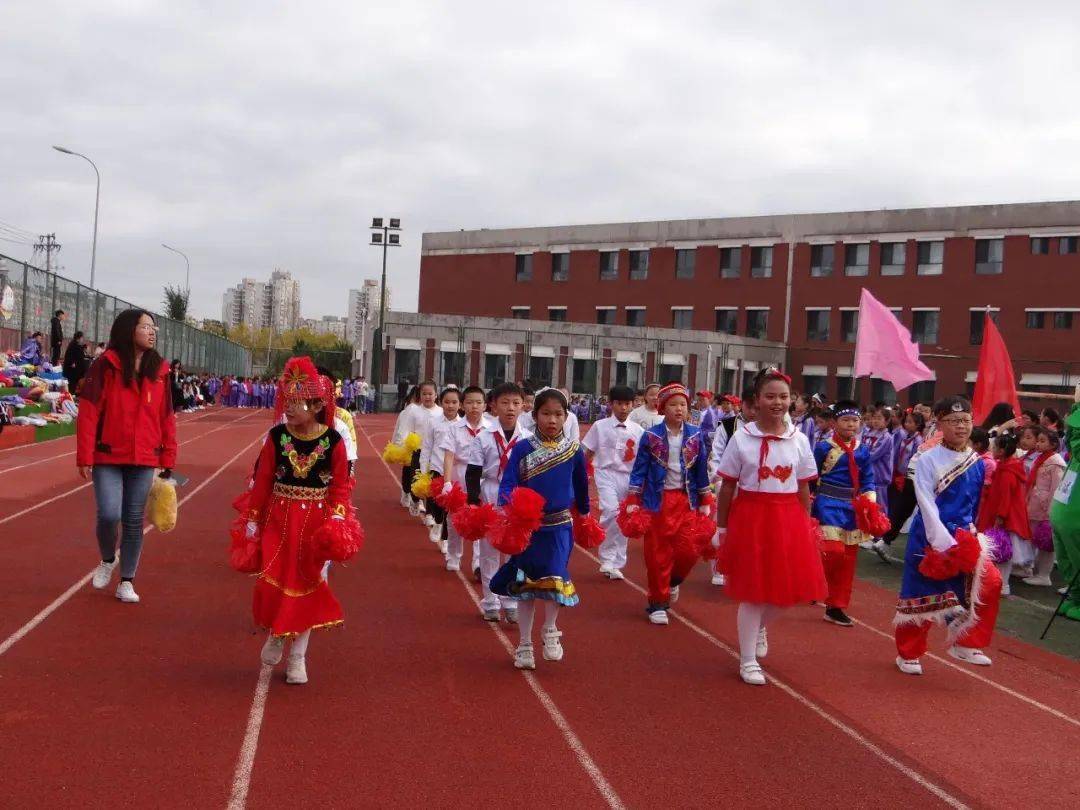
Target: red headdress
{"points": [[671, 390], [300, 382]]}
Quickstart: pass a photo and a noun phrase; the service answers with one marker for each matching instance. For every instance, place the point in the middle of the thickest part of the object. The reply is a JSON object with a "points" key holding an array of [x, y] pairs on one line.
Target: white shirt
{"points": [[489, 451], [430, 459], [790, 461], [413, 419], [571, 429], [716, 452], [930, 466], [459, 440], [674, 477], [644, 417], [607, 441]]}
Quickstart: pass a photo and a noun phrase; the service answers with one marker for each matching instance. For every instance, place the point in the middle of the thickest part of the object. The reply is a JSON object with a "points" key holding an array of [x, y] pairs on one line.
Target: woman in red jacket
{"points": [[126, 429]]}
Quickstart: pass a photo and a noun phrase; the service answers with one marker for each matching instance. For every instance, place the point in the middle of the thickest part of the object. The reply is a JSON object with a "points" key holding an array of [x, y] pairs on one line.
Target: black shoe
{"points": [[837, 616]]}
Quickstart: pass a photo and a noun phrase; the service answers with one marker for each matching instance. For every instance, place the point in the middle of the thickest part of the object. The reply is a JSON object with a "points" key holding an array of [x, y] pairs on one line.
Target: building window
{"points": [[931, 255], [556, 313], [845, 387], [857, 260], [727, 321], [684, 263], [924, 325], [892, 258], [1068, 244], [639, 265], [1040, 246], [757, 323], [628, 373], [1036, 320], [761, 262], [520, 313], [1063, 320], [523, 267], [882, 391], [727, 381], [609, 265], [671, 372], [682, 318], [635, 316], [813, 384], [821, 260], [988, 253], [541, 371], [494, 370], [849, 325], [452, 368], [978, 325], [407, 365], [605, 315], [817, 324], [730, 262], [560, 266], [922, 392], [583, 380]]}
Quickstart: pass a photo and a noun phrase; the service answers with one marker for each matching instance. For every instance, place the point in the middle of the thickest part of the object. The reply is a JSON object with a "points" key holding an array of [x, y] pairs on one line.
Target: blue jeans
{"points": [[121, 492]]}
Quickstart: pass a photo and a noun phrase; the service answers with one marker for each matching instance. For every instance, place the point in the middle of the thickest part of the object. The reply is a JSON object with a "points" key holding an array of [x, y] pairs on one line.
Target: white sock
{"points": [[526, 611], [299, 644], [551, 613], [749, 621]]}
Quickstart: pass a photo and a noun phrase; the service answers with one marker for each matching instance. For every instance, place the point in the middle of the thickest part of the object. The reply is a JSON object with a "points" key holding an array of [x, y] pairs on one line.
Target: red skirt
{"points": [[290, 594], [769, 554]]}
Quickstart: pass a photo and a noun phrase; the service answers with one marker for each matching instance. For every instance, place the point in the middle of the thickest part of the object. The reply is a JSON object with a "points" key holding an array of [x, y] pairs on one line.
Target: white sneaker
{"points": [[605, 569], [762, 648], [405, 499], [1040, 582], [511, 616], [296, 670], [553, 649], [442, 545], [491, 615], [970, 655], [272, 650], [867, 545], [453, 566], [103, 573], [882, 550], [909, 666], [429, 521], [674, 595], [717, 579], [414, 510], [616, 574], [752, 674], [126, 593], [523, 656], [1063, 591], [435, 533], [658, 617]]}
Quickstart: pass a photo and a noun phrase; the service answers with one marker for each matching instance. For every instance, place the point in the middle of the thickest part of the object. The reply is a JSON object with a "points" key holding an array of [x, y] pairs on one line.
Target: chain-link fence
{"points": [[29, 296]]}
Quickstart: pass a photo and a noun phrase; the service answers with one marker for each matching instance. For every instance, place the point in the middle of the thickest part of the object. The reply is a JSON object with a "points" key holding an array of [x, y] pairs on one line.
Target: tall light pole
{"points": [[187, 275], [381, 236], [97, 200]]}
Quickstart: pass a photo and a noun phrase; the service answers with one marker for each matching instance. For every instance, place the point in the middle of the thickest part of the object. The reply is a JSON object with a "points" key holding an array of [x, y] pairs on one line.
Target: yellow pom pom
{"points": [[421, 485], [396, 454], [413, 442]]}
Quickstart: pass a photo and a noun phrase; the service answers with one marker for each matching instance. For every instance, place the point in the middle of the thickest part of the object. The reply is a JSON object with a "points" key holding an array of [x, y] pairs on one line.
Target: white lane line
{"points": [[21, 633], [46, 502], [246, 761], [840, 725], [587, 763]]}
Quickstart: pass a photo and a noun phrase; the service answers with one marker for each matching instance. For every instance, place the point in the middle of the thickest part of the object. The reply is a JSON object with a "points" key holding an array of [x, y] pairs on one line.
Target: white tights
{"points": [[526, 613], [299, 644], [752, 618]]}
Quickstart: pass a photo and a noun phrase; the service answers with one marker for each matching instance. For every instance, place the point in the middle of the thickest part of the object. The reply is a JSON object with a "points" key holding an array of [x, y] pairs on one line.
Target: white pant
{"points": [[612, 489], [455, 545], [491, 559]]}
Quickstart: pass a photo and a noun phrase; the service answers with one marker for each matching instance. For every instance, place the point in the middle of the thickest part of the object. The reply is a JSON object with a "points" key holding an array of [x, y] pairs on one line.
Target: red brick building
{"points": [[795, 279]]}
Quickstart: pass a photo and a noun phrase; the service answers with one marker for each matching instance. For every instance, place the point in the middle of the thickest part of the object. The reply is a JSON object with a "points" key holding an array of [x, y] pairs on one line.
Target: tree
{"points": [[176, 303]]}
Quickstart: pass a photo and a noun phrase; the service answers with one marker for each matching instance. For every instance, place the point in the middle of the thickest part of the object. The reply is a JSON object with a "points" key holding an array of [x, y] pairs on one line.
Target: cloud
{"points": [[255, 137]]}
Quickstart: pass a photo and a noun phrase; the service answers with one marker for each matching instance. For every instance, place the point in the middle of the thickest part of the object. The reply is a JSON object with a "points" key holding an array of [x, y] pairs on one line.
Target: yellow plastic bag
{"points": [[161, 504]]}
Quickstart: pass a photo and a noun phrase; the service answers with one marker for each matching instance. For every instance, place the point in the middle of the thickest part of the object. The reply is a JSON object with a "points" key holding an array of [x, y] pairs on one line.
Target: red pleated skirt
{"points": [[769, 554]]}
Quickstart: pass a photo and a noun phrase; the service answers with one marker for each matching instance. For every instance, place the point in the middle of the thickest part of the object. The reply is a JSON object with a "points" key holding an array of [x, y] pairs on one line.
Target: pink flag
{"points": [[884, 348]]}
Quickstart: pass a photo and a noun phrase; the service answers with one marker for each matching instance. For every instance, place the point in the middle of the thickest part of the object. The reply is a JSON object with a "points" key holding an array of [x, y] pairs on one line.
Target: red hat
{"points": [[705, 393], [300, 382], [672, 390]]}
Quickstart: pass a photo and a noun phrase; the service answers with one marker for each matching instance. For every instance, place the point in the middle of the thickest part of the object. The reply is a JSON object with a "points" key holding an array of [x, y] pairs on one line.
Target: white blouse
{"points": [[789, 460]]}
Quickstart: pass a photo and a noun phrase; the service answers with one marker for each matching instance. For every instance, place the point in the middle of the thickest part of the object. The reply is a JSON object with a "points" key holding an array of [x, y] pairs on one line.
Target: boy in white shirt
{"points": [[611, 446], [432, 459], [456, 450]]}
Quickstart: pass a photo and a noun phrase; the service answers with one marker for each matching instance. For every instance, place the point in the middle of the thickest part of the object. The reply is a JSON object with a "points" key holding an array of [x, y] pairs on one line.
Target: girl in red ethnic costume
{"points": [[296, 517], [768, 551]]}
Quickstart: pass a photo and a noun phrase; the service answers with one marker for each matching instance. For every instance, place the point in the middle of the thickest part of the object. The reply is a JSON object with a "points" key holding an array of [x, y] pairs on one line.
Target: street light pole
{"points": [[97, 201], [381, 236], [187, 275]]}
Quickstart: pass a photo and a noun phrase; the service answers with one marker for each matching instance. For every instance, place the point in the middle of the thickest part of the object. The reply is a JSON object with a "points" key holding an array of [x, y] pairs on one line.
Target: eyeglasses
{"points": [[960, 421]]}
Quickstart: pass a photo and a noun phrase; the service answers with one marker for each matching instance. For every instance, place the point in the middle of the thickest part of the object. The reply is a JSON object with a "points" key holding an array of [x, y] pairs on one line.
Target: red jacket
{"points": [[125, 424], [1006, 498]]}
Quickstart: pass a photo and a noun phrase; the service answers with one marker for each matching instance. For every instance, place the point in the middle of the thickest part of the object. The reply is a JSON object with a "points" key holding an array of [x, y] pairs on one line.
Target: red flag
{"points": [[994, 382]]}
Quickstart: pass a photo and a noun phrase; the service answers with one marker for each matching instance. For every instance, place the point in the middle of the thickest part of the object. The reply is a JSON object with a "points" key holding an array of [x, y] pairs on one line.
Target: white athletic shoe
{"points": [[523, 656], [867, 545], [491, 615], [414, 509], [1063, 591], [909, 666], [435, 533], [103, 573], [511, 616], [752, 674], [1039, 582], [405, 499], [126, 593], [429, 521], [553, 650], [674, 595], [605, 569], [296, 670], [442, 545], [272, 650], [453, 566], [970, 655], [881, 549], [616, 574], [658, 617], [718, 579], [762, 648]]}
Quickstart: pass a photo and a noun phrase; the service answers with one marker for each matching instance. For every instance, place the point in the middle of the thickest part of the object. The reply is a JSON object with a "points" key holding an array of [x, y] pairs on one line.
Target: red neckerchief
{"points": [[1035, 468], [504, 448], [474, 433], [849, 451], [763, 473]]}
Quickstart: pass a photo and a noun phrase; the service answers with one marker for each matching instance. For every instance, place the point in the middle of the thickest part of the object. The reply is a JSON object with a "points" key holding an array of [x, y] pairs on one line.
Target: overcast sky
{"points": [[262, 135]]}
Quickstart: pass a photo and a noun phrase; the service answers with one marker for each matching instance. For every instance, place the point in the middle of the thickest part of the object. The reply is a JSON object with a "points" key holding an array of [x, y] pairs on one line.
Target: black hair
{"points": [[650, 385], [764, 376], [546, 396], [450, 389], [845, 405], [999, 414], [948, 405], [980, 439], [1052, 435], [1034, 417], [122, 341], [506, 389], [58, 313], [526, 391], [36, 334], [78, 334], [918, 418], [425, 383], [1007, 442], [325, 372], [621, 393], [473, 389]]}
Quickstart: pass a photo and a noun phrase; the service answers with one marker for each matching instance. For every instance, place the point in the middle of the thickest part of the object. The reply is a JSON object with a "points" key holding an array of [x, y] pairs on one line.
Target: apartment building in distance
{"points": [[260, 304]]}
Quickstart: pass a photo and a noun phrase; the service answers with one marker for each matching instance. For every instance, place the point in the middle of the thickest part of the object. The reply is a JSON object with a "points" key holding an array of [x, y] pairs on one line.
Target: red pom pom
{"points": [[697, 532], [633, 525], [708, 499], [507, 538], [588, 533], [454, 499], [936, 565], [521, 516], [472, 522], [337, 540], [870, 518], [245, 553], [967, 551]]}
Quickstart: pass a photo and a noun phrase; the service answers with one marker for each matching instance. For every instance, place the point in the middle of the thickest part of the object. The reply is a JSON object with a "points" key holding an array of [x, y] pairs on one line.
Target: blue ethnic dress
{"points": [[556, 470], [832, 504]]}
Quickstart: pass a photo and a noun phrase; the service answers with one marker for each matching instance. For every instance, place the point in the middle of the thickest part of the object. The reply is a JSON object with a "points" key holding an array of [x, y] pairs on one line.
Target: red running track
{"points": [[415, 701]]}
